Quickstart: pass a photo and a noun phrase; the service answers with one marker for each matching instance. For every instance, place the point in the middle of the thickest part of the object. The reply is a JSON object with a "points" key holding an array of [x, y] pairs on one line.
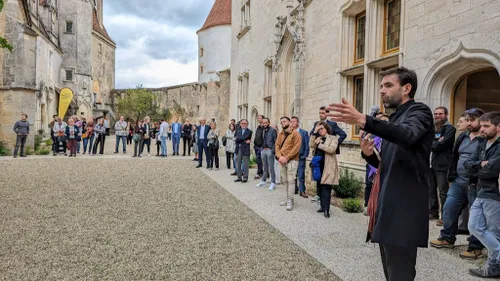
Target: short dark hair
{"points": [[443, 108], [324, 124], [260, 115], [265, 118], [25, 115], [324, 108], [285, 117], [233, 120], [54, 116], [493, 117], [163, 119], [296, 118], [243, 120], [474, 112], [405, 76]]}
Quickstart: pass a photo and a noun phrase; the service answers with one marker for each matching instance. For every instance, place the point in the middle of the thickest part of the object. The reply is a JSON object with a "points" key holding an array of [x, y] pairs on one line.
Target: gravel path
{"points": [[120, 218]]}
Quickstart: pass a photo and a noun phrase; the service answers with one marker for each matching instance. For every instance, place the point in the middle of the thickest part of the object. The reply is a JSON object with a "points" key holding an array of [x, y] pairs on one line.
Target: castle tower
{"points": [[214, 42]]}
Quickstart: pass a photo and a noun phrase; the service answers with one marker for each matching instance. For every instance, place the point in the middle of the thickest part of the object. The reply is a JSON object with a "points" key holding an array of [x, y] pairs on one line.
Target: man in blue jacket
{"points": [[202, 141], [303, 153], [242, 151]]}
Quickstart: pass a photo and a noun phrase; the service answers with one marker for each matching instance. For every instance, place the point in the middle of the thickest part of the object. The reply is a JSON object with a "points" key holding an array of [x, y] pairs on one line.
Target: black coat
{"points": [[442, 150], [241, 144], [452, 171], [402, 217]]}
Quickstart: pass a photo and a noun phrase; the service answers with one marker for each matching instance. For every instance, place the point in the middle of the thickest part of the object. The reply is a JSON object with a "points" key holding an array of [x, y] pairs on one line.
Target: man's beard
{"points": [[393, 102], [473, 129], [285, 127], [438, 124]]}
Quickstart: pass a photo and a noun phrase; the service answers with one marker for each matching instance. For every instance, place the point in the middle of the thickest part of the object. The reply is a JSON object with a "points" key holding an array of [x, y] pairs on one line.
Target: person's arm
{"points": [[28, 129], [414, 127], [473, 165], [306, 141], [161, 130], [372, 160], [447, 140], [339, 132], [277, 145], [16, 127]]}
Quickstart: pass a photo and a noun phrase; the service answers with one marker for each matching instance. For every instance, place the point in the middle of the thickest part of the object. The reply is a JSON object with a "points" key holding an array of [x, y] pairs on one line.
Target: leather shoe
{"points": [[245, 180], [198, 166], [237, 180], [303, 194], [327, 215], [233, 174], [320, 210]]}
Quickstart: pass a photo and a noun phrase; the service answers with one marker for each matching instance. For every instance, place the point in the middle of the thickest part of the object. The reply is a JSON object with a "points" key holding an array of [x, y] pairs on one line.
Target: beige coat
{"points": [[331, 170]]}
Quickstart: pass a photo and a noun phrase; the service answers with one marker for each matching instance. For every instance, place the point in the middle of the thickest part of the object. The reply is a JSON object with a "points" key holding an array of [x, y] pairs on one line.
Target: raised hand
{"points": [[346, 113]]}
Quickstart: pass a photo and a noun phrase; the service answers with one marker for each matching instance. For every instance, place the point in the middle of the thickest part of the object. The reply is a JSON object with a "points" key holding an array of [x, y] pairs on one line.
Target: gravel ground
{"points": [[120, 218]]}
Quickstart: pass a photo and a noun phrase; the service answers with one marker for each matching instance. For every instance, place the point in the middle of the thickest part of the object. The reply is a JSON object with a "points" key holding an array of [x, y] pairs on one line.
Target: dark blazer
{"points": [[452, 171], [240, 140], [402, 217], [146, 127], [442, 150], [335, 131], [270, 139], [207, 129], [304, 146]]}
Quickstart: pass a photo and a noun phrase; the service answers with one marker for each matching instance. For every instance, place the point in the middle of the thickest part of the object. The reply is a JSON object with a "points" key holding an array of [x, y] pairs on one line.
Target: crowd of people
{"points": [[418, 169]]}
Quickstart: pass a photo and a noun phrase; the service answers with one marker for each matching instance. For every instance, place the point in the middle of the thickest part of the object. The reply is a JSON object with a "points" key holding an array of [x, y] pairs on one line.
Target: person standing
{"points": [[442, 147], [287, 152], [258, 142], [242, 139], [484, 166], [176, 135], [300, 184], [52, 135], [325, 168], [60, 133], [403, 201], [146, 137], [106, 125], [22, 130], [163, 135], [213, 146], [193, 143], [72, 132], [89, 136], [230, 146], [186, 137], [80, 125], [137, 138], [100, 135], [268, 154], [202, 141], [121, 132]]}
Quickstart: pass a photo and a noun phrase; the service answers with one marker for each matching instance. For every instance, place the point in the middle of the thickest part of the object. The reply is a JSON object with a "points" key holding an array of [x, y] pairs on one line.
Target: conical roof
{"points": [[219, 15]]}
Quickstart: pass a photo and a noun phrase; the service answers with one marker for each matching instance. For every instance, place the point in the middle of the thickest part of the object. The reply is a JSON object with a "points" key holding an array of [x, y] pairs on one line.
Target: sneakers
{"points": [[483, 272], [442, 243], [272, 186], [471, 254], [283, 204], [289, 205], [261, 184], [315, 199]]}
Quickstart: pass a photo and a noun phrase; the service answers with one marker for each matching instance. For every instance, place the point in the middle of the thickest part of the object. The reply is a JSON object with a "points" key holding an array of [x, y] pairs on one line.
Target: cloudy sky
{"points": [[156, 40]]}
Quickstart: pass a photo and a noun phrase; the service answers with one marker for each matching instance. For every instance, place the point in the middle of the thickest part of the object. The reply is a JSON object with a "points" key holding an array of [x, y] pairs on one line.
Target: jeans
{"points": [[326, 196], [20, 142], [147, 143], [457, 198], [438, 185], [483, 223], [124, 141], [268, 157], [164, 146], [258, 157], [86, 142], [78, 146], [288, 174], [202, 146], [242, 162], [301, 175], [176, 139]]}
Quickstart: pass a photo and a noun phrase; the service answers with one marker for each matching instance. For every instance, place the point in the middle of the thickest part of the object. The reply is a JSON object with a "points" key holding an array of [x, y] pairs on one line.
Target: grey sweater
{"points": [[22, 128]]}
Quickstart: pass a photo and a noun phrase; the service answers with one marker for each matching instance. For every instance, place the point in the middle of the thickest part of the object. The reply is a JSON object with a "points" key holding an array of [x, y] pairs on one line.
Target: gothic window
{"points": [[360, 31], [244, 18], [392, 24], [358, 99], [100, 48], [268, 106], [69, 27]]}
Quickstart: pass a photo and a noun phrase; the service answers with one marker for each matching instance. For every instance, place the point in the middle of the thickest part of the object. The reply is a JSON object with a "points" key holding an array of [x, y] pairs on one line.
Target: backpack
{"points": [[316, 168]]}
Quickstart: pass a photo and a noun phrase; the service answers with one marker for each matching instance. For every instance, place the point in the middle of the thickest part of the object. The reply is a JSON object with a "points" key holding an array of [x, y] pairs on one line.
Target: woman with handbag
{"points": [[213, 146], [137, 138], [230, 145], [324, 166], [72, 132], [88, 136]]}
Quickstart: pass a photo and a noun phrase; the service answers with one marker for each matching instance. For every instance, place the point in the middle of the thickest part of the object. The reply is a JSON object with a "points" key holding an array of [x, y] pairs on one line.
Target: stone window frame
{"points": [[67, 24], [242, 99], [355, 129], [245, 19], [356, 34], [385, 49], [66, 71], [201, 51], [201, 69]]}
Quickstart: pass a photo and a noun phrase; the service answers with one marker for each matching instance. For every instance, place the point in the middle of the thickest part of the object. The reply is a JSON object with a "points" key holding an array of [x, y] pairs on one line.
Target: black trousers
{"points": [[326, 196], [148, 145], [438, 185], [214, 157], [158, 146], [186, 142], [229, 159], [399, 263], [368, 185], [99, 141], [20, 142]]}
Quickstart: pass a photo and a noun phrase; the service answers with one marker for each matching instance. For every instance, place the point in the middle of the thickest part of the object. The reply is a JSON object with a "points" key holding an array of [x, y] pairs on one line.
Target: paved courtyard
{"points": [[120, 218]]}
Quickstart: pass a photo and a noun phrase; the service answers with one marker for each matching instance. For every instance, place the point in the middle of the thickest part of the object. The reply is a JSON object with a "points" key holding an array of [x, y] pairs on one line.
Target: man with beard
{"points": [[442, 147], [402, 213], [485, 211], [460, 193]]}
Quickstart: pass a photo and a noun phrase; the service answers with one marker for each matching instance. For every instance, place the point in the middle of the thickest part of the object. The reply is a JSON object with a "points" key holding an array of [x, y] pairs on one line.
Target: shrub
{"points": [[42, 151], [28, 150], [253, 161], [3, 149], [48, 142], [38, 141], [352, 205], [349, 186]]}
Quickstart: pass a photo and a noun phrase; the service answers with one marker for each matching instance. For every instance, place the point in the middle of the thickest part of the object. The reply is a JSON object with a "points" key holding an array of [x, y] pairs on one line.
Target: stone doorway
{"points": [[477, 89]]}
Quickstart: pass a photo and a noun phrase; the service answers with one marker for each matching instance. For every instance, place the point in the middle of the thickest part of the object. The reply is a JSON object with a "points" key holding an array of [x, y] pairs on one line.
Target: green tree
{"points": [[4, 44], [138, 103]]}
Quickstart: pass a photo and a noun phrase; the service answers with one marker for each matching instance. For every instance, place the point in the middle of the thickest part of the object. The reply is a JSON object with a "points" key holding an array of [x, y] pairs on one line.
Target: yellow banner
{"points": [[65, 99]]}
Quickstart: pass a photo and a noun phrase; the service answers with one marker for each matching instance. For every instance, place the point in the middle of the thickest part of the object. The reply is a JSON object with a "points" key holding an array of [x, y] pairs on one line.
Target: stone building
{"points": [[214, 42], [54, 43], [290, 57]]}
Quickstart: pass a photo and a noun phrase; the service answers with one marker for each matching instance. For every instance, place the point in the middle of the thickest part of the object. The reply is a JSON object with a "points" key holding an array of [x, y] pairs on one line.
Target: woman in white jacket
{"points": [[230, 146]]}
